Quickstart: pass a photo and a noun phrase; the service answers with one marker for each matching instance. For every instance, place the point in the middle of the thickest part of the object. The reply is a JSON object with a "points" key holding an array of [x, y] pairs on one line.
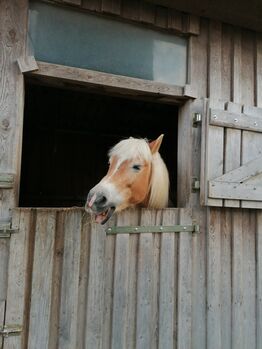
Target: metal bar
{"points": [[6, 180], [6, 230], [10, 330], [153, 229]]}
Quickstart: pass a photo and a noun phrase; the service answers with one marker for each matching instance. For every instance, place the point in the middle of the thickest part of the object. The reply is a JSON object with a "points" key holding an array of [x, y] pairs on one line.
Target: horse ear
{"points": [[155, 145]]}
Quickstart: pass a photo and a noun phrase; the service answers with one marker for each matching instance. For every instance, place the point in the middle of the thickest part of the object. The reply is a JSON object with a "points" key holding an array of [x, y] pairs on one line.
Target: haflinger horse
{"points": [[137, 175]]}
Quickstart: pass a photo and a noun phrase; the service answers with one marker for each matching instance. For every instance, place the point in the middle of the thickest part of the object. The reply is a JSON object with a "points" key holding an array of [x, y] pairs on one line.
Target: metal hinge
{"points": [[6, 230], [7, 180], [10, 330], [197, 119], [153, 229], [195, 184]]}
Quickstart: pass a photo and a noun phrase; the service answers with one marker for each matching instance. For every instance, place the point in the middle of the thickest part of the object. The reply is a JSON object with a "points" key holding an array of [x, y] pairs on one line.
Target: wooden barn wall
{"points": [[73, 286]]}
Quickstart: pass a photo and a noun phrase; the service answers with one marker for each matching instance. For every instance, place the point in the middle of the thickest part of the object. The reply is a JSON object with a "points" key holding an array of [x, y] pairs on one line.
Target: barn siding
{"points": [[137, 291]]}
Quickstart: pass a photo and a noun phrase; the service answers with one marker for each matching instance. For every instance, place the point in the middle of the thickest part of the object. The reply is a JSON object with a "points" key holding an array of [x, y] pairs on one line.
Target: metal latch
{"points": [[197, 119], [10, 330], [6, 230], [153, 229], [7, 180]]}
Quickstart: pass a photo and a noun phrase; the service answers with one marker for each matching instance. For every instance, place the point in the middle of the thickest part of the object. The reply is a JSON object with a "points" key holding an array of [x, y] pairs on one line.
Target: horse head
{"points": [[137, 175]]}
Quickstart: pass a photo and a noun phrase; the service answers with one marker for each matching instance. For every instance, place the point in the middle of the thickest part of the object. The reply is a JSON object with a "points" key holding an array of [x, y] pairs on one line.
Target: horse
{"points": [[137, 176]]}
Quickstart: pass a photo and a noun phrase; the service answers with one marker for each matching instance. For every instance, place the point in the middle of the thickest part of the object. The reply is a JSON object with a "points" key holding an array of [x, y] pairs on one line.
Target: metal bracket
{"points": [[195, 184], [153, 229], [197, 119], [6, 230], [10, 330], [7, 180]]}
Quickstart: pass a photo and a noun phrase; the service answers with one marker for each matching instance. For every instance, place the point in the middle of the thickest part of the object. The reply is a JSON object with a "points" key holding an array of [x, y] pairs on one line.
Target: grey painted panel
{"points": [[77, 39]]}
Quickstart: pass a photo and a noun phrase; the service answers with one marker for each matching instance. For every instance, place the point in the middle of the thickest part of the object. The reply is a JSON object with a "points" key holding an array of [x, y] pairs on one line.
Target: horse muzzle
{"points": [[98, 204]]}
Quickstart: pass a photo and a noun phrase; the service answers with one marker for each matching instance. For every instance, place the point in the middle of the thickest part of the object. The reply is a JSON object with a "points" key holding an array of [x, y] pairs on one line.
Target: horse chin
{"points": [[103, 217]]}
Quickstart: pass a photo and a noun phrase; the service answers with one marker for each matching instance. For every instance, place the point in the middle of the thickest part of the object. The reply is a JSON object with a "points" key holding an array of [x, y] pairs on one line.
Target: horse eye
{"points": [[136, 167]]}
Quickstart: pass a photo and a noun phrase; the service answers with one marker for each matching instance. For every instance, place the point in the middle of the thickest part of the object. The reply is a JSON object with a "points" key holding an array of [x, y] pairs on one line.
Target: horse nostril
{"points": [[101, 200]]}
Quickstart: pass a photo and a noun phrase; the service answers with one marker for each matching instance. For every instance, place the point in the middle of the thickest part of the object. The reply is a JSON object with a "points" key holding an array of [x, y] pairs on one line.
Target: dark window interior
{"points": [[68, 133]]}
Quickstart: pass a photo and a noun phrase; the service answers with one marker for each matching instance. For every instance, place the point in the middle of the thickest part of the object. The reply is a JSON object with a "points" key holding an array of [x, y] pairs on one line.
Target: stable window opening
{"points": [[67, 135]]}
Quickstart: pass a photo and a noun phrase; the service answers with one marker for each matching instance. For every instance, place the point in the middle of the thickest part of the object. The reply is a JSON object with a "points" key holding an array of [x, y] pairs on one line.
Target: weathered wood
{"points": [[214, 339], [225, 279], [134, 218], [13, 29], [17, 278], [90, 78], [120, 299], [251, 149], [234, 190], [83, 279], [95, 290], [247, 68], [232, 149], [258, 71], [168, 278], [174, 20], [144, 330], [92, 5], [236, 121], [192, 24], [237, 281], [249, 278], [72, 2], [70, 281], [27, 64], [111, 6], [40, 308], [184, 287], [259, 277], [147, 12], [226, 63], [236, 66]]}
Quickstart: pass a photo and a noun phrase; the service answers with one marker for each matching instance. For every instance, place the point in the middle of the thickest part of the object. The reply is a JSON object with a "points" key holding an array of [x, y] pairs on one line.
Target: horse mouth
{"points": [[104, 216]]}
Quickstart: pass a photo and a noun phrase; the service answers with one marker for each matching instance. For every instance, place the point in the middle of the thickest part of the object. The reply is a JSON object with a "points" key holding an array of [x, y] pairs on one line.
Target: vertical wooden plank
{"points": [[42, 280], [215, 135], [197, 68], [13, 29], [174, 20], [156, 282], [258, 70], [184, 296], [109, 287], [226, 63], [199, 280], [4, 256], [232, 149], [130, 9], [236, 66], [57, 276], [214, 68], [132, 282], [168, 276], [251, 149], [259, 278], [237, 281], [225, 287], [17, 277], [247, 68], [249, 279], [147, 12], [161, 18], [121, 268], [70, 280], [144, 328], [214, 339], [92, 5], [111, 6], [83, 279], [191, 24], [95, 290]]}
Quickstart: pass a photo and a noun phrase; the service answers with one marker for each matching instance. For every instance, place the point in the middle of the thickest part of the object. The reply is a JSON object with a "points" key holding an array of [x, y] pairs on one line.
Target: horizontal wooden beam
{"points": [[236, 191], [239, 121], [121, 84]]}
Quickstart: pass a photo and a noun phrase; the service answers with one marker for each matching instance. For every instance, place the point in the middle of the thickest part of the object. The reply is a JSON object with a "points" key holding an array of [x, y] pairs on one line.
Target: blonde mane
{"points": [[159, 184]]}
